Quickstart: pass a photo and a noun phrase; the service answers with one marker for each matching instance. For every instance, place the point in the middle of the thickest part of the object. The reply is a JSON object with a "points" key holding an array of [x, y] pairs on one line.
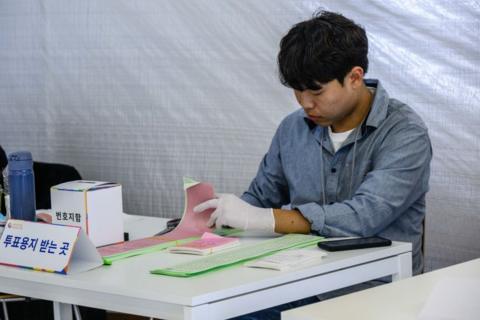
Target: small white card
{"points": [[47, 247], [286, 260]]}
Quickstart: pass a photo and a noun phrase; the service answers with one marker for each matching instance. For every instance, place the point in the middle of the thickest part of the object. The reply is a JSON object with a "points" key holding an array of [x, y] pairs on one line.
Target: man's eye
{"points": [[317, 93]]}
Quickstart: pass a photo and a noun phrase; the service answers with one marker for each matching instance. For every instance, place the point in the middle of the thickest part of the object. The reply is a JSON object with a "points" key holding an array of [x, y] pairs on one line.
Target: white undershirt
{"points": [[338, 138]]}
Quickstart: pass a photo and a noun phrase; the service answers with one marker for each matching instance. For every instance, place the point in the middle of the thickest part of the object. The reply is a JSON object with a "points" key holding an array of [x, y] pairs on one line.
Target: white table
{"points": [[402, 300], [127, 286]]}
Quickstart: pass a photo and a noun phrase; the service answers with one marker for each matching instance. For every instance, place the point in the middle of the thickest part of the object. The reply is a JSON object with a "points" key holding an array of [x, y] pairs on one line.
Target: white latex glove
{"points": [[232, 211]]}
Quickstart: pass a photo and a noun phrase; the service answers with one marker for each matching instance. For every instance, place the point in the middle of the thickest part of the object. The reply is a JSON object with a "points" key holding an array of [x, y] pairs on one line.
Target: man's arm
{"points": [[290, 221], [234, 212], [269, 188], [399, 178]]}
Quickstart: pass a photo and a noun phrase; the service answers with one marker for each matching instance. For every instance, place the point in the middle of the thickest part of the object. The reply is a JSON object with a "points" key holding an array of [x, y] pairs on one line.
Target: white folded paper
{"points": [[286, 260]]}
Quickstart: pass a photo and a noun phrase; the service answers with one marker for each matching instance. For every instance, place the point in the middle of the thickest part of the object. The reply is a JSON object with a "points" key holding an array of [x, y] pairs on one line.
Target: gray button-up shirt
{"points": [[375, 184]]}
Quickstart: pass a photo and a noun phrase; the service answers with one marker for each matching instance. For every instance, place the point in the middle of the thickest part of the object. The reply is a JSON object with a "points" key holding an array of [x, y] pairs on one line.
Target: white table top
{"points": [[127, 285], [402, 300]]}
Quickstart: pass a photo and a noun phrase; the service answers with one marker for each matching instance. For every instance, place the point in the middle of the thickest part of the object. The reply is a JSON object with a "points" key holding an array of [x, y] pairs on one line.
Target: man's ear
{"points": [[355, 77]]}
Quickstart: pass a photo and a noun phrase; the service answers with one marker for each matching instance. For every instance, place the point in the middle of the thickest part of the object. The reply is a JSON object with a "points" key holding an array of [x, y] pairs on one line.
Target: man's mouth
{"points": [[312, 117]]}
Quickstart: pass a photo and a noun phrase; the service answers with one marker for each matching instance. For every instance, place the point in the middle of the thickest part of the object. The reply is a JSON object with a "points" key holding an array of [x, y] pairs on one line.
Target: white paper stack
{"points": [[286, 260]]}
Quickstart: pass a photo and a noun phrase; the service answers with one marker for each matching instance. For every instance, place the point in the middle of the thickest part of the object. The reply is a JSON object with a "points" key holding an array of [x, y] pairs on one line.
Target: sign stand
{"points": [[47, 247]]}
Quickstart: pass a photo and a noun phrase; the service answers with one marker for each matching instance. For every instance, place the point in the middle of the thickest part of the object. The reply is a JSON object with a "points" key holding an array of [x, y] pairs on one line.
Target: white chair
{"points": [[4, 298]]}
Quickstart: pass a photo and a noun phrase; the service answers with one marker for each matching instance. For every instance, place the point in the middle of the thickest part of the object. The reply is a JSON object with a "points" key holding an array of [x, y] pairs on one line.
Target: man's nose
{"points": [[306, 102]]}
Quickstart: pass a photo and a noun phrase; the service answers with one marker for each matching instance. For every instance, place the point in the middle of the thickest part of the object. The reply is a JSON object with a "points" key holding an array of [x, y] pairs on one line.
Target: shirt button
{"points": [[334, 170]]}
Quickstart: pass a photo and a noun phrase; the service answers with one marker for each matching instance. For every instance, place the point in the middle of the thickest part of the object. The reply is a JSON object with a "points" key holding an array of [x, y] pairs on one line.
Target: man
{"points": [[351, 162]]}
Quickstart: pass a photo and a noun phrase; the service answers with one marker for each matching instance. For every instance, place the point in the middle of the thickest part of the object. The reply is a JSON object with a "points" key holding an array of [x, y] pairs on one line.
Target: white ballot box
{"points": [[94, 206]]}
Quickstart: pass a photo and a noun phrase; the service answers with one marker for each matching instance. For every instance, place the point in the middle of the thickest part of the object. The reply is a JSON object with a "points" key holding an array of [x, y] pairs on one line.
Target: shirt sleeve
{"points": [[269, 188], [399, 177]]}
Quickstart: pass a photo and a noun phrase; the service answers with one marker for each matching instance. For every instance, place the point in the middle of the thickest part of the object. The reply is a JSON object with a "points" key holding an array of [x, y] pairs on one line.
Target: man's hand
{"points": [[232, 211]]}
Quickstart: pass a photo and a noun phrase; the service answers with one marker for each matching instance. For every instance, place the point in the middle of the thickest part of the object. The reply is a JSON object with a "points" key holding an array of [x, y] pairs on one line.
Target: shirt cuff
{"points": [[315, 214]]}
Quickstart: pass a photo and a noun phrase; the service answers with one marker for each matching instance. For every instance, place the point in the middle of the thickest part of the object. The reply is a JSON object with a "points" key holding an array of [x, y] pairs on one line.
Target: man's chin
{"points": [[322, 123]]}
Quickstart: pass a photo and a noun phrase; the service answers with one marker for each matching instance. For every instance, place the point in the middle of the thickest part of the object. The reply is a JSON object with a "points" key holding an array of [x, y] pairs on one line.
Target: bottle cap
{"points": [[20, 160]]}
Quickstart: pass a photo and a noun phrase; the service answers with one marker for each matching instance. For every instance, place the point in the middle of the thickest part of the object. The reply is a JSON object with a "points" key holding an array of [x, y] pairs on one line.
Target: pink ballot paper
{"points": [[191, 225], [207, 244]]}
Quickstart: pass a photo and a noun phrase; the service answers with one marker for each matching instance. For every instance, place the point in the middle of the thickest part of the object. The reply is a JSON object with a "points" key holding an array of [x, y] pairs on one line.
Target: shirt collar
{"points": [[378, 110]]}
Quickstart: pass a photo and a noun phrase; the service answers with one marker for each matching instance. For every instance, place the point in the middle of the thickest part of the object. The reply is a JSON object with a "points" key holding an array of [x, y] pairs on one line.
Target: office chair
{"points": [[48, 175]]}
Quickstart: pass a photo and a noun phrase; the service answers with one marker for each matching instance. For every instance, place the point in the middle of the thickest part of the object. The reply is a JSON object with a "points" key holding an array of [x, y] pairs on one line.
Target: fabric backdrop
{"points": [[145, 92]]}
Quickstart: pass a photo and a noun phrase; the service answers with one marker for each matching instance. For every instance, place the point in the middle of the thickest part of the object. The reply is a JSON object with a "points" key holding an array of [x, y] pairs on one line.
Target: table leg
{"points": [[404, 262], [62, 311]]}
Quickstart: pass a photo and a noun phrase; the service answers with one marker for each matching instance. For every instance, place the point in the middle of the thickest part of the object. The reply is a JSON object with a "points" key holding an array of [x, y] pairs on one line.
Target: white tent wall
{"points": [[145, 92]]}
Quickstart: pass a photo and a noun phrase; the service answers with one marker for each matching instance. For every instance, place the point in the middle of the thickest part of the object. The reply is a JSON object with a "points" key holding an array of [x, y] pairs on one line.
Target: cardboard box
{"points": [[94, 206]]}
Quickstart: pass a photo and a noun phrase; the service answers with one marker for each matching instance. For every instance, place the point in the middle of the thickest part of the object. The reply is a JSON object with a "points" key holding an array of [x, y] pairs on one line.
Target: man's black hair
{"points": [[321, 49]]}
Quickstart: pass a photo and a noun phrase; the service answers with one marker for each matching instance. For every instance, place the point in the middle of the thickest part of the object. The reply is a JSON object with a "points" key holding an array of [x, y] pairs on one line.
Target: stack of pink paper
{"points": [[207, 244]]}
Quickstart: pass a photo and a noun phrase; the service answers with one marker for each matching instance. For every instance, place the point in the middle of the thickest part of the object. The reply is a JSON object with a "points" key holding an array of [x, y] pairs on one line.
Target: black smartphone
{"points": [[357, 243], [171, 224]]}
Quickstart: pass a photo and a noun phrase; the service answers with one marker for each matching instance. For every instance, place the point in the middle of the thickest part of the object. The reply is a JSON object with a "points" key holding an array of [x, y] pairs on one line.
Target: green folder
{"points": [[238, 255]]}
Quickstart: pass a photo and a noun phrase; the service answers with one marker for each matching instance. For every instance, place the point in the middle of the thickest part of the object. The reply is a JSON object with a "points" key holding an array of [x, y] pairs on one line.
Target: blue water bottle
{"points": [[21, 183]]}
